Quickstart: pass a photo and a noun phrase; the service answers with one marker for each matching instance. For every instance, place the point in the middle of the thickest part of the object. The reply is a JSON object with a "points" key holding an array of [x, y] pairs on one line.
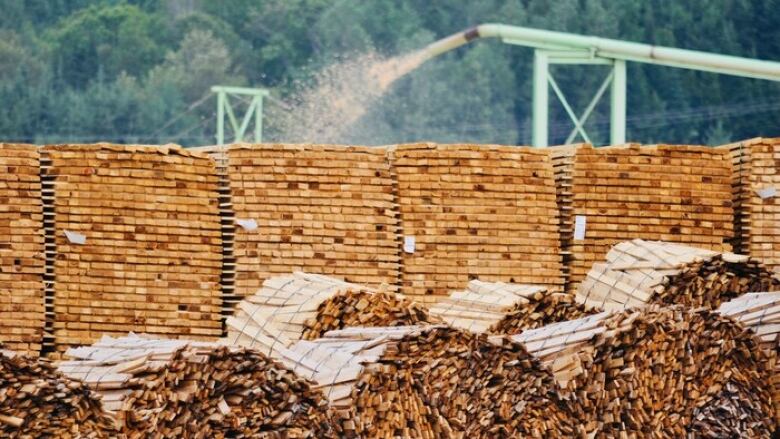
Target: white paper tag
{"points": [[409, 242], [579, 227], [247, 224], [75, 238], [767, 192]]}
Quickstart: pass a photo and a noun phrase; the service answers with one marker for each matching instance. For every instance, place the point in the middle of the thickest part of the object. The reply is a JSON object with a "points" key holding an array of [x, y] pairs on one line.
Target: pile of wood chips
{"points": [[664, 192], [175, 388], [640, 272], [755, 181], [431, 382], [660, 371], [137, 242], [318, 208], [21, 249], [37, 401], [503, 308], [475, 212]]}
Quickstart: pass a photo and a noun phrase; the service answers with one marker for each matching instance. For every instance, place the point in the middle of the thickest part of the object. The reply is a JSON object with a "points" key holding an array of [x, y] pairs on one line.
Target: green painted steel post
{"points": [[540, 99], [259, 119], [618, 117], [220, 118]]}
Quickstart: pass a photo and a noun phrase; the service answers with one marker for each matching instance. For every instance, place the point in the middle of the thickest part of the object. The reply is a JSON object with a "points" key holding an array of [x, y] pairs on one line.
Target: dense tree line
{"points": [[140, 70]]}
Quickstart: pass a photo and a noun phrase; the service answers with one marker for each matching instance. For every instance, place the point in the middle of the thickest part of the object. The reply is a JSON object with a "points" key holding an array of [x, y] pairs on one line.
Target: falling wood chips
{"points": [[37, 401], [175, 388], [433, 382], [640, 272], [504, 308], [660, 372]]}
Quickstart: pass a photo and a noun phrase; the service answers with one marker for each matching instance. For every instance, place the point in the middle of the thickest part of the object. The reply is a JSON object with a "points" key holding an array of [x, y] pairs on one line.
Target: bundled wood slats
{"points": [[137, 242], [640, 272], [21, 249], [672, 193], [470, 211], [176, 388]]}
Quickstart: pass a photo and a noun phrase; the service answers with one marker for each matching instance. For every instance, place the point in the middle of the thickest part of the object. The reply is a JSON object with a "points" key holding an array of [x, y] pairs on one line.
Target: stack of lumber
{"points": [[755, 181], [176, 388], [640, 272], [503, 308], [476, 212], [305, 306], [671, 193], [317, 208], [433, 382], [21, 249], [137, 242], [37, 401], [660, 372]]}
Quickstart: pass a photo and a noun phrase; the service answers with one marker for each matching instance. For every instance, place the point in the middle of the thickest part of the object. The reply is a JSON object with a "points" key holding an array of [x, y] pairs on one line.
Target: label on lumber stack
{"points": [[756, 179], [151, 255], [21, 249], [672, 193], [320, 209], [486, 212]]}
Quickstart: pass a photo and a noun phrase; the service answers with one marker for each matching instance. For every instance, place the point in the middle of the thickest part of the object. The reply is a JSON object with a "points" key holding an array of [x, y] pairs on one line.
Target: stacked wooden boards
{"points": [[137, 242], [21, 249], [433, 382], [316, 208], [175, 388], [755, 181], [504, 308], [470, 211], [640, 272], [305, 306], [671, 193], [660, 372]]}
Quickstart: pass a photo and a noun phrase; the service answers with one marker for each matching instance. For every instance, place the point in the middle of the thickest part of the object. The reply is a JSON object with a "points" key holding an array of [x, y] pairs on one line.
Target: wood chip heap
{"points": [[183, 389], [433, 382], [503, 308], [470, 211], [671, 193], [318, 208], [21, 249], [755, 181], [660, 372], [137, 242], [305, 306], [640, 272], [37, 401]]}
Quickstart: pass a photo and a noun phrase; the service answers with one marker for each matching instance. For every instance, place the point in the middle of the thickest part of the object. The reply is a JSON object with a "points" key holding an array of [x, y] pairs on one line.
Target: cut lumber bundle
{"points": [[660, 372], [21, 249], [755, 182], [433, 382], [185, 389], [318, 208], [640, 272], [475, 211], [663, 192], [503, 308], [137, 242], [37, 401], [305, 306]]}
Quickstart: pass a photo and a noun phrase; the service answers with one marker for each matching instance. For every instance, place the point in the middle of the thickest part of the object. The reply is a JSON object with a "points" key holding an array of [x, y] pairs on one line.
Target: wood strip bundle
{"points": [[755, 181], [660, 372], [317, 208], [663, 192], [177, 388], [21, 249], [503, 308], [433, 382], [305, 306], [640, 272], [476, 211], [37, 401], [137, 242]]}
